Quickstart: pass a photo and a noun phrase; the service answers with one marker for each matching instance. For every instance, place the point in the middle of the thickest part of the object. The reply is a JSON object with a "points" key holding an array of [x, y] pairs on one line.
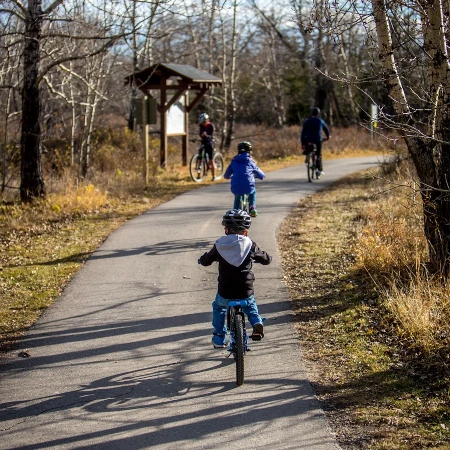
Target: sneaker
{"points": [[215, 345], [258, 332], [220, 345], [253, 212], [320, 173]]}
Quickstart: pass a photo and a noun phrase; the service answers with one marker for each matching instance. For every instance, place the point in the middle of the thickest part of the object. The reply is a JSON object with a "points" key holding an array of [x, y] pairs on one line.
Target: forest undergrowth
{"points": [[374, 326]]}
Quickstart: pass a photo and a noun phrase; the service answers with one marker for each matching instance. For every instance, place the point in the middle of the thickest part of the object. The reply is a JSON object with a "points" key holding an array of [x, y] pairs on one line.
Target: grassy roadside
{"points": [[376, 394]]}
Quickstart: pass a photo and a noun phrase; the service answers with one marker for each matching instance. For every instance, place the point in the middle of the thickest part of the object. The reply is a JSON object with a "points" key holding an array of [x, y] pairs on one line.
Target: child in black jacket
{"points": [[235, 253]]}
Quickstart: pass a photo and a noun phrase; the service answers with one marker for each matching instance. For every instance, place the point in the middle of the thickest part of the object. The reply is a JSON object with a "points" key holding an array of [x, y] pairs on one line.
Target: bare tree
{"points": [[142, 20], [36, 27], [428, 145], [411, 61], [10, 100]]}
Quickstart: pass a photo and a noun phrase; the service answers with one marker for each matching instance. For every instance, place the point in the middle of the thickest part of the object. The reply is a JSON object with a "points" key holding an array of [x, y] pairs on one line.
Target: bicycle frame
{"points": [[243, 203], [311, 168], [203, 154]]}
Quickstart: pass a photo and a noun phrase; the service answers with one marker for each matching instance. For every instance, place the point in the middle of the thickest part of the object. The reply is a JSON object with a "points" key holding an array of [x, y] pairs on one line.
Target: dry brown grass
{"points": [[421, 308], [376, 352], [392, 239], [273, 143], [392, 249]]}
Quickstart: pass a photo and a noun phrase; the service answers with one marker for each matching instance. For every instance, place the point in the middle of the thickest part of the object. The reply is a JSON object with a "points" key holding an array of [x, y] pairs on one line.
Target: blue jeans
{"points": [[251, 200], [220, 306]]}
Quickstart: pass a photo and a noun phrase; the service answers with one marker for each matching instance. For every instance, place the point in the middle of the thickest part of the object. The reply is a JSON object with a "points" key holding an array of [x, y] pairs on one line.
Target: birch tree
{"points": [[411, 60]]}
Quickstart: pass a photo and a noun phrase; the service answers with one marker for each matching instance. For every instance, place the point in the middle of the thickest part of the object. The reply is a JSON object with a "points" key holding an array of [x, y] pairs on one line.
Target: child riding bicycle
{"points": [[242, 172], [235, 252], [206, 133]]}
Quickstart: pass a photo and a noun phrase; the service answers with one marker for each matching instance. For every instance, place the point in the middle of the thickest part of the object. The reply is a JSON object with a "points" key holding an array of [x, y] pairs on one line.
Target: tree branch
{"points": [[75, 58], [52, 7], [20, 5], [12, 12]]}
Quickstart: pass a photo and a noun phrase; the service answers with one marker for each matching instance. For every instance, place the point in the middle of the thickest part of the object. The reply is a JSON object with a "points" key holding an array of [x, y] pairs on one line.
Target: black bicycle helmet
{"points": [[237, 220], [244, 147], [315, 111]]}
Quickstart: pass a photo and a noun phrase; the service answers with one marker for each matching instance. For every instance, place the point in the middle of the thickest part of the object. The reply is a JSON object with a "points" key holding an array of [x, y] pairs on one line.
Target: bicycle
{"points": [[200, 164], [311, 162], [244, 204]]}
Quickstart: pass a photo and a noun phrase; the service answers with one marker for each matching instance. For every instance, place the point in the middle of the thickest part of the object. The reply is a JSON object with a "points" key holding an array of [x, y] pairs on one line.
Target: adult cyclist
{"points": [[312, 133], [206, 133]]}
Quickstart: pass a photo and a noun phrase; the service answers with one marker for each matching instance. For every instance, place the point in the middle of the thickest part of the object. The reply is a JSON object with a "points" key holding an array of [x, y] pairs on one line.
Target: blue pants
{"points": [[220, 305], [251, 200]]}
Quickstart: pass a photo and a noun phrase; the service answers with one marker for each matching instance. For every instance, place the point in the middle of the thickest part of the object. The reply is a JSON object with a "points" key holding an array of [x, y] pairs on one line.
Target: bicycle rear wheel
{"points": [[198, 168], [219, 165], [239, 349], [310, 166]]}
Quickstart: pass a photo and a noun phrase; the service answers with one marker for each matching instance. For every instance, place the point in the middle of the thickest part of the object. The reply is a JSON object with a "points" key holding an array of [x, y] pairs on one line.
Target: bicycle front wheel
{"points": [[197, 168], [219, 165], [239, 349]]}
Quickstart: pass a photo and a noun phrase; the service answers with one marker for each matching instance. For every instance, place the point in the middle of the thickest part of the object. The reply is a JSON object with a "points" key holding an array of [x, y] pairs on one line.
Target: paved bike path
{"points": [[123, 359]]}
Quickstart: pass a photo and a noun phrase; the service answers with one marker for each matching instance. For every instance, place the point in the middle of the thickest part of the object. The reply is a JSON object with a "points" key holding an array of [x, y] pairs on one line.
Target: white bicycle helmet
{"points": [[203, 117]]}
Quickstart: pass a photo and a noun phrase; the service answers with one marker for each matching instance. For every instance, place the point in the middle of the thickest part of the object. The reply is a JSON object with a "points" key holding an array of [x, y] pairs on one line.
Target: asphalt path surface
{"points": [[123, 360]]}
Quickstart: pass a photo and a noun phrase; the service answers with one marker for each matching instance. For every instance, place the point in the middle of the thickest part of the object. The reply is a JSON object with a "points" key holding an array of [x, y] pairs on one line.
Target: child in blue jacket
{"points": [[242, 172]]}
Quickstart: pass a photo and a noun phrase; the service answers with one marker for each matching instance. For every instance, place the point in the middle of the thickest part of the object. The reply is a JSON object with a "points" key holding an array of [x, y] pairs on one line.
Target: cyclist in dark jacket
{"points": [[235, 252], [312, 133], [206, 133]]}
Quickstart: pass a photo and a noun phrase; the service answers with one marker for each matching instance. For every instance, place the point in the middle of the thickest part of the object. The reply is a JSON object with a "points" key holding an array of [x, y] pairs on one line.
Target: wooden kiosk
{"points": [[174, 82]]}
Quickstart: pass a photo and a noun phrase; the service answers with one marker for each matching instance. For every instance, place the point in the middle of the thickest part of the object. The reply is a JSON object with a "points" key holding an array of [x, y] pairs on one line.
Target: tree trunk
{"points": [[133, 92], [436, 208], [231, 112], [32, 182], [431, 156], [436, 205]]}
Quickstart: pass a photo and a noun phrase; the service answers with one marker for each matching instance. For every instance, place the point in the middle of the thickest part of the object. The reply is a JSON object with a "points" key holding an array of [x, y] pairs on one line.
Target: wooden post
{"points": [[147, 156], [185, 140], [145, 142], [163, 115]]}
